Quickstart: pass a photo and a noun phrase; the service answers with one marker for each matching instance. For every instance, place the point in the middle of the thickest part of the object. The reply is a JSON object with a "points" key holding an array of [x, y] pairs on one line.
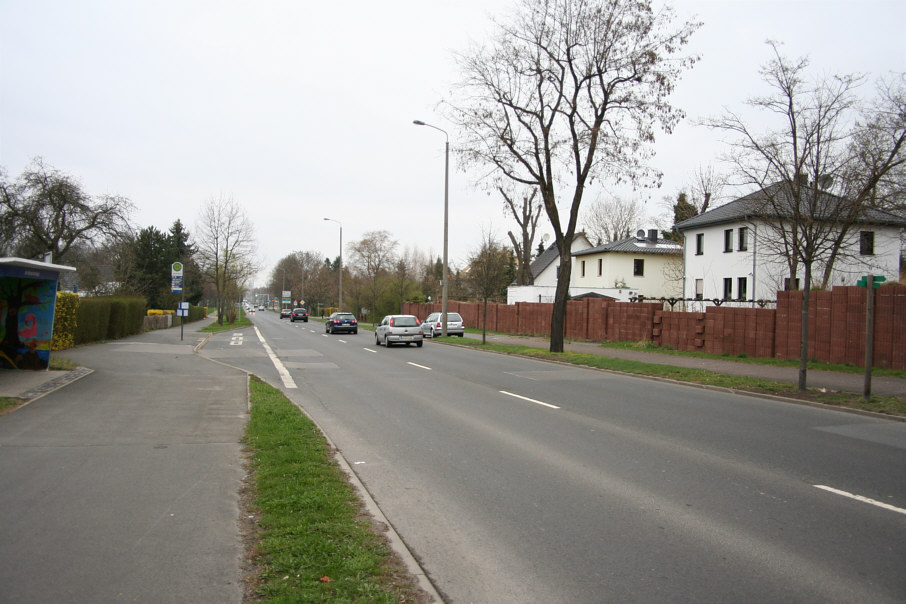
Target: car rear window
{"points": [[405, 322], [453, 316], [346, 316]]}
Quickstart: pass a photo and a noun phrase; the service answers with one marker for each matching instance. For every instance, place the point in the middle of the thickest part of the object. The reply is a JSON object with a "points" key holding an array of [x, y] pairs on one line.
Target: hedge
{"points": [[108, 318], [64, 321]]}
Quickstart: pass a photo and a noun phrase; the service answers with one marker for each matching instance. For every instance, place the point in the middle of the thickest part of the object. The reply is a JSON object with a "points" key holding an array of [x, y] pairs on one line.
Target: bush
{"points": [[107, 318], [64, 321]]}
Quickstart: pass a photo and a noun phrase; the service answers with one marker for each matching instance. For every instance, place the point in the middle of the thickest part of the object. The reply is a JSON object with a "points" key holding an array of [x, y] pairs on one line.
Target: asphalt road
{"points": [[514, 480]]}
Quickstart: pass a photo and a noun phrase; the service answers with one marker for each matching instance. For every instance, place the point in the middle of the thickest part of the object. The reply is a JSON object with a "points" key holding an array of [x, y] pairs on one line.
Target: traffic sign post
{"points": [[176, 270], [870, 283]]}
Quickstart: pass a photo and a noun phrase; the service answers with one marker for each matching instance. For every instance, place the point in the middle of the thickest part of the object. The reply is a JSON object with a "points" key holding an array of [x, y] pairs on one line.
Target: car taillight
{"points": [[391, 322], [438, 324], [354, 322]]}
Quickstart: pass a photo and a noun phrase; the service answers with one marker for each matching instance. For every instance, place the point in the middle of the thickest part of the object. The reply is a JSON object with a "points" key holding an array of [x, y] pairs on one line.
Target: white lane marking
{"points": [[531, 400], [419, 366], [369, 349], [284, 374], [879, 504], [323, 335], [342, 341]]}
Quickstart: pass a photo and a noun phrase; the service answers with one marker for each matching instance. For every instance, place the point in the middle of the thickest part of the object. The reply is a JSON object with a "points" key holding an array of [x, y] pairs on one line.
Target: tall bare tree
{"points": [[524, 205], [608, 220], [226, 248], [817, 169], [48, 211], [569, 91], [373, 256]]}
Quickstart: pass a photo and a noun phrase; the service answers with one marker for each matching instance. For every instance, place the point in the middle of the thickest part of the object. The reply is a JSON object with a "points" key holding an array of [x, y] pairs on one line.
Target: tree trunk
{"points": [[558, 316], [484, 322]]}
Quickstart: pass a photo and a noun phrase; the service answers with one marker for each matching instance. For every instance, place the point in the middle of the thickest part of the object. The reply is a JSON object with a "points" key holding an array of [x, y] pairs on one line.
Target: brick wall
{"points": [[836, 324]]}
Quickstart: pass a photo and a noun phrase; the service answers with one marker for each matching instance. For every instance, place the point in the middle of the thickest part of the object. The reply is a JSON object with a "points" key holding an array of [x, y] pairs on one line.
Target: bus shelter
{"points": [[28, 297]]}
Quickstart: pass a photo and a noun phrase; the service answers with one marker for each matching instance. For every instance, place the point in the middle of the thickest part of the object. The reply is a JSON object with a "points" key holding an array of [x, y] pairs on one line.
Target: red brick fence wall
{"points": [[836, 324]]}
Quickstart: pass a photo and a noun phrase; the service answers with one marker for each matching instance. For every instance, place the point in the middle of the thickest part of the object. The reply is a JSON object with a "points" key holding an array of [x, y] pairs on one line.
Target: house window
{"points": [[699, 288], [728, 288], [741, 288], [583, 268], [728, 240], [638, 267], [743, 239], [600, 266], [786, 284], [867, 243], [699, 244]]}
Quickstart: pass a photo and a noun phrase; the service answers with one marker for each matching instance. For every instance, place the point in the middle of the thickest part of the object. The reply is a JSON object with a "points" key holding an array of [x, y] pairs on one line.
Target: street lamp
{"points": [[443, 289], [341, 259]]}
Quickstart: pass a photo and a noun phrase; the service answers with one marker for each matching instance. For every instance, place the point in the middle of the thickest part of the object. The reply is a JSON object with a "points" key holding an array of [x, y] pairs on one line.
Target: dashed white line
{"points": [[419, 366], [342, 341], [369, 350], [281, 370], [531, 400], [879, 504]]}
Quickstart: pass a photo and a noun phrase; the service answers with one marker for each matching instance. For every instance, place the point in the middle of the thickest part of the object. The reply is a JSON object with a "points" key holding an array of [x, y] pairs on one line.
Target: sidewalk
{"points": [[124, 485], [831, 380]]}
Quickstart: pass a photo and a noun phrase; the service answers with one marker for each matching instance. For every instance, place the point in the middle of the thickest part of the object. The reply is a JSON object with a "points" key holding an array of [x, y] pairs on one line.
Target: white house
{"points": [[732, 251], [645, 264], [545, 271]]}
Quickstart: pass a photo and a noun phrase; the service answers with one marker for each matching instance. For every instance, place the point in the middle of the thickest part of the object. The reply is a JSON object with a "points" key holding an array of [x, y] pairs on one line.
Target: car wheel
{"points": [[377, 340], [355, 331], [462, 335], [419, 344]]}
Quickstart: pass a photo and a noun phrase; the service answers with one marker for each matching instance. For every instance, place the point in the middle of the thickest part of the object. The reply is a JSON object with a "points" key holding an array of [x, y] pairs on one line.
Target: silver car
{"points": [[433, 326], [402, 329]]}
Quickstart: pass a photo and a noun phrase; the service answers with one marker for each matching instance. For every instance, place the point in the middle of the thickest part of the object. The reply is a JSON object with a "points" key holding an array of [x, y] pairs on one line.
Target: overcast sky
{"points": [[301, 110]]}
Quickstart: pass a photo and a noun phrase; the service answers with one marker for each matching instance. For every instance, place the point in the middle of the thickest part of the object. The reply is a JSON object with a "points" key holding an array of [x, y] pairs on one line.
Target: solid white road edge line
{"points": [[879, 504], [284, 374], [419, 366], [531, 400]]}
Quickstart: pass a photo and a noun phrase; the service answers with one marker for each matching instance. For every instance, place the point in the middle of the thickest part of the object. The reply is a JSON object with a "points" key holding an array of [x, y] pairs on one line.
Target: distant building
{"points": [[645, 264]]}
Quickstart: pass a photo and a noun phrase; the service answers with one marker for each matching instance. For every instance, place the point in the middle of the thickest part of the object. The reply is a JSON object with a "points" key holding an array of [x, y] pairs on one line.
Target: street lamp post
{"points": [[443, 289], [341, 260]]}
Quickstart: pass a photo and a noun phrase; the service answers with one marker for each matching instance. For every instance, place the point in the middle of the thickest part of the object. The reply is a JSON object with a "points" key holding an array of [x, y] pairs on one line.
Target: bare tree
{"points": [[525, 206], [816, 171], [373, 255], [490, 271], [226, 251], [570, 91], [48, 211], [611, 220]]}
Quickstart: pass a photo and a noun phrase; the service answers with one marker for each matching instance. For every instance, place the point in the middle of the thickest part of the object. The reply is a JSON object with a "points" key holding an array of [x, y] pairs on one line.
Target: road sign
{"points": [[183, 310], [176, 277], [876, 280]]}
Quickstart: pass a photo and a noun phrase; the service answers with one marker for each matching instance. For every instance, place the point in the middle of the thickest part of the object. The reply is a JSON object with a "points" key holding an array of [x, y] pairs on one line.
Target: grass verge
{"points": [[241, 321], [650, 347], [891, 405], [315, 543]]}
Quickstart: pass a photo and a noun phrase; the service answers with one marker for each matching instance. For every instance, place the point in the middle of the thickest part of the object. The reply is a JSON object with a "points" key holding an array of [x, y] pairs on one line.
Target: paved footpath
{"points": [[124, 485]]}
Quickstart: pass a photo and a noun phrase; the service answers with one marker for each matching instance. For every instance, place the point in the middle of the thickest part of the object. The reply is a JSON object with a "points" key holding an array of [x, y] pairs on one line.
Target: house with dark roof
{"points": [[735, 251], [545, 272], [646, 264]]}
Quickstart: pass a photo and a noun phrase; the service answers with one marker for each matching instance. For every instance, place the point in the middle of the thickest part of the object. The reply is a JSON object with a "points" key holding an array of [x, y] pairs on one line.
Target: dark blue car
{"points": [[341, 321]]}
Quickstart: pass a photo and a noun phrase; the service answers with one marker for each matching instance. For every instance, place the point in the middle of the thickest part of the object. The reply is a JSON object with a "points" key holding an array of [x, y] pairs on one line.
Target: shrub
{"points": [[107, 318], [64, 321]]}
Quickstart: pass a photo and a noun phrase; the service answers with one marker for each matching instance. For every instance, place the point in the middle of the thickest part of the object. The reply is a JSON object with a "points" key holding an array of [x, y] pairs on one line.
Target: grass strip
{"points": [[241, 321], [316, 544], [891, 405]]}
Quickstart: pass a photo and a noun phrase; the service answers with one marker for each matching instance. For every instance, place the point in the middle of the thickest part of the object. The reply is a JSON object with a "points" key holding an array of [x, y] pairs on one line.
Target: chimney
{"points": [[652, 235]]}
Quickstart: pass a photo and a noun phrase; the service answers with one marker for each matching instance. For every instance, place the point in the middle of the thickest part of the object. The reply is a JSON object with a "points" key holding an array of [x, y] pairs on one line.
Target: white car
{"points": [[399, 329], [433, 326]]}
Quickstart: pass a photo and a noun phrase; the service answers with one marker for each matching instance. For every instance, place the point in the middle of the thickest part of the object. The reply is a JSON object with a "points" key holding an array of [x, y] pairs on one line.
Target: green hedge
{"points": [[64, 320], [108, 318]]}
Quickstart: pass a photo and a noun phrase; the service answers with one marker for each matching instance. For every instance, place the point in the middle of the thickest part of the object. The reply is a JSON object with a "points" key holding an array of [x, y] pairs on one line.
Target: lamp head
{"points": [[419, 123]]}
